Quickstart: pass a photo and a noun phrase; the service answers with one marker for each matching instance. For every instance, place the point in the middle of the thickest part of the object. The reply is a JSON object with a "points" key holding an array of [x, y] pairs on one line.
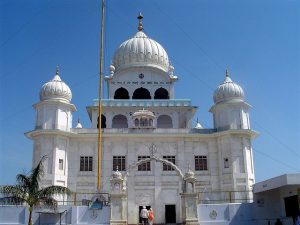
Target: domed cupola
{"points": [[228, 90], [55, 89], [230, 110], [143, 119], [140, 50]]}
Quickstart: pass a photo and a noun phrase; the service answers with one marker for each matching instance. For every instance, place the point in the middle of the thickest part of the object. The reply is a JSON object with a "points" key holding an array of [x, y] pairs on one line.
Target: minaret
{"points": [[231, 117], [230, 110], [54, 116]]}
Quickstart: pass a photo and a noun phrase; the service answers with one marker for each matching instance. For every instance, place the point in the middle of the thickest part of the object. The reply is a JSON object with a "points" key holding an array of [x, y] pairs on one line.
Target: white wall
{"points": [[76, 215]]}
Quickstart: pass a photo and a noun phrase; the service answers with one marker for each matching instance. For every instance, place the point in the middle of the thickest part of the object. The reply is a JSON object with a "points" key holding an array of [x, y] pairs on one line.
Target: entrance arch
{"points": [[186, 201], [188, 198], [145, 199]]}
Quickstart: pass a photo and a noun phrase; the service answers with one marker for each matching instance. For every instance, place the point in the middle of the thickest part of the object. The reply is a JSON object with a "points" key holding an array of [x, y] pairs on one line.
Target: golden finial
{"points": [[140, 18], [57, 69]]}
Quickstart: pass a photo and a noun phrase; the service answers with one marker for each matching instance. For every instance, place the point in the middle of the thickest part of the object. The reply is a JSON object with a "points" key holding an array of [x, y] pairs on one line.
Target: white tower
{"points": [[230, 110], [53, 123], [231, 119]]}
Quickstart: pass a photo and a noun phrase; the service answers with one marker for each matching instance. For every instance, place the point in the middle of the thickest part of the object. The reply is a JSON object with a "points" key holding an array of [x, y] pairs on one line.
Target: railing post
{"points": [[230, 198]]}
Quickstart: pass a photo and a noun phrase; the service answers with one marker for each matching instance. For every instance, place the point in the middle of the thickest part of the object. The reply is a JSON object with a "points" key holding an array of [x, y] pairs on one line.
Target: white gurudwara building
{"points": [[152, 154]]}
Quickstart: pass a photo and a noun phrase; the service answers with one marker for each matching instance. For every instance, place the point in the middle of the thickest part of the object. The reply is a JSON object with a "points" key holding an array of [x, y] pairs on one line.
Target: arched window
{"points": [[164, 121], [144, 122], [119, 121], [141, 93], [161, 93], [136, 122], [121, 93], [236, 119], [103, 121]]}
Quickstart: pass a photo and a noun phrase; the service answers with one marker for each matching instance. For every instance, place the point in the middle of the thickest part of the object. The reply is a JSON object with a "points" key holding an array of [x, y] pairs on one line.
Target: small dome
{"points": [[78, 124], [189, 174], [198, 125], [143, 114], [140, 50], [228, 90], [117, 174], [55, 89], [112, 68]]}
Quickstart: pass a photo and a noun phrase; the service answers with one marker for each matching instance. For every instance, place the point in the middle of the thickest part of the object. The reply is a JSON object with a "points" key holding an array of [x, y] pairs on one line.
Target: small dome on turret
{"points": [[189, 174], [117, 175], [55, 89], [79, 125], [140, 50], [228, 90], [198, 125]]}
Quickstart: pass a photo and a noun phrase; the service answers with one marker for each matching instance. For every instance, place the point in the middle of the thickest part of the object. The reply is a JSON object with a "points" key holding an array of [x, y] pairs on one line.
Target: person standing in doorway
{"points": [[150, 216], [144, 216]]}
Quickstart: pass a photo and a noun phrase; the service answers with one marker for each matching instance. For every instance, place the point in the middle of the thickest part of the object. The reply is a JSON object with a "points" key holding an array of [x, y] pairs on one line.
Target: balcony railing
{"points": [[144, 103], [143, 131]]}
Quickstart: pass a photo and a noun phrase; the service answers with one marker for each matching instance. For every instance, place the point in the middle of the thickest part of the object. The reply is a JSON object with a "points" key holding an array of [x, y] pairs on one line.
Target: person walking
{"points": [[150, 216], [144, 215], [278, 222]]}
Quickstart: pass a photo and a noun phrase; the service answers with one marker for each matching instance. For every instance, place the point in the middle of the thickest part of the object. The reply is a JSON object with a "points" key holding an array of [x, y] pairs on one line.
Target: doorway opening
{"points": [[170, 214], [291, 207], [140, 209]]}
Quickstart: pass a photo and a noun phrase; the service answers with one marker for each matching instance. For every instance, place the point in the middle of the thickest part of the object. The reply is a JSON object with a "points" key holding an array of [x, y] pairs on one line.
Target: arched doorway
{"points": [[119, 121], [141, 93], [103, 121], [161, 93], [121, 93], [164, 121]]}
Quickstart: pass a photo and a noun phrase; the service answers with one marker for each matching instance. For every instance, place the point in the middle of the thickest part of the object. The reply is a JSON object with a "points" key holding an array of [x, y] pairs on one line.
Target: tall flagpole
{"points": [[100, 100]]}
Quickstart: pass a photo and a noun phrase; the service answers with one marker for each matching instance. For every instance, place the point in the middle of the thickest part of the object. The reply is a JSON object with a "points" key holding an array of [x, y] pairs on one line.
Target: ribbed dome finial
{"points": [[140, 18], [55, 89], [227, 73], [56, 70], [228, 90]]}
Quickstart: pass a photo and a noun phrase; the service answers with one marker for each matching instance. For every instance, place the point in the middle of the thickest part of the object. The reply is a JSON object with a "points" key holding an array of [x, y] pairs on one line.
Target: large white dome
{"points": [[55, 89], [141, 51], [228, 90]]}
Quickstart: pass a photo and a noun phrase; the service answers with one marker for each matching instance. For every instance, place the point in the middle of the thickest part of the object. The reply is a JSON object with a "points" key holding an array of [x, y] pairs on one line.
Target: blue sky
{"points": [[258, 40]]}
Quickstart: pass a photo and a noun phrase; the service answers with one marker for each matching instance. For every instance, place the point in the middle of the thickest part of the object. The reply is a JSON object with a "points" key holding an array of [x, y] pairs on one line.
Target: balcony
{"points": [[144, 103], [143, 131]]}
